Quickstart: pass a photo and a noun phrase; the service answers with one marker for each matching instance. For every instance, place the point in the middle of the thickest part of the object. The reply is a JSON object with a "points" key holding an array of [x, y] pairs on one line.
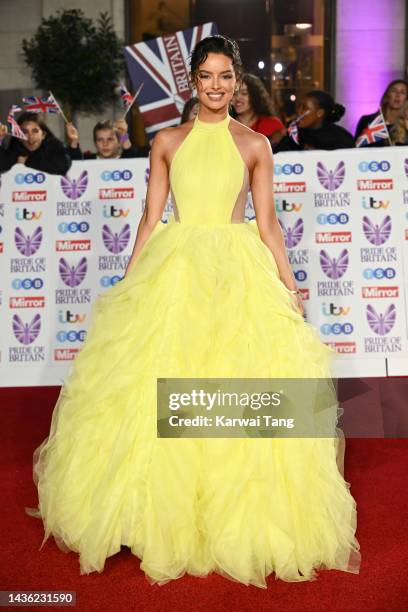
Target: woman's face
{"points": [[397, 96], [215, 81], [241, 100], [34, 133], [314, 115]]}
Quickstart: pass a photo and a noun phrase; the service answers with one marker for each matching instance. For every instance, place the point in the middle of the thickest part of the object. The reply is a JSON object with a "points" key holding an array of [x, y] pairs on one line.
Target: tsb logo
{"points": [[287, 169], [336, 329], [71, 336], [374, 166], [300, 275], [27, 283], [332, 219], [108, 281], [30, 178], [379, 273], [116, 175], [73, 227]]}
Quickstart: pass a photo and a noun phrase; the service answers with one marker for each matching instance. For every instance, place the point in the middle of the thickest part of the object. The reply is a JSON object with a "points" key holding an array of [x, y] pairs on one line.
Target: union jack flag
{"points": [[293, 131], [161, 64], [374, 132], [127, 97], [12, 124], [49, 104], [293, 127]]}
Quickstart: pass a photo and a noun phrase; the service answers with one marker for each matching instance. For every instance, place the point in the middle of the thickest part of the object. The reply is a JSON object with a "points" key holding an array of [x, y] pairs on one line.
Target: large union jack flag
{"points": [[374, 132], [161, 64]]}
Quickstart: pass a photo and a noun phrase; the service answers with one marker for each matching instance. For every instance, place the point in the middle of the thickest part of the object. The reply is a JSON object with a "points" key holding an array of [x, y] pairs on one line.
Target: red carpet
{"points": [[377, 469]]}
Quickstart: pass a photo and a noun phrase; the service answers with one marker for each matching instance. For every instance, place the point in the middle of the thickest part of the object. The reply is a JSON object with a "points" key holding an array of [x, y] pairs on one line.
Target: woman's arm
{"points": [[156, 197], [267, 221]]}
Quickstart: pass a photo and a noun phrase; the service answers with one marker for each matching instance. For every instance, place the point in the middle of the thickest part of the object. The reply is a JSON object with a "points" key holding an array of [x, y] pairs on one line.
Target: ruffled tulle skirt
{"points": [[201, 301]]}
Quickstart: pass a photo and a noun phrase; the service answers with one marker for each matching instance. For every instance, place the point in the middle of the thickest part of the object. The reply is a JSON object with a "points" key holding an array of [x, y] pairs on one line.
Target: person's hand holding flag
{"points": [[12, 124], [375, 131], [293, 127], [127, 98]]}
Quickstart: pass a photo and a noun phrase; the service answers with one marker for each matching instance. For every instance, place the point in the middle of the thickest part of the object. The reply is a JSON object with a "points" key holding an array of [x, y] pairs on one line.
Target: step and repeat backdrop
{"points": [[344, 215]]}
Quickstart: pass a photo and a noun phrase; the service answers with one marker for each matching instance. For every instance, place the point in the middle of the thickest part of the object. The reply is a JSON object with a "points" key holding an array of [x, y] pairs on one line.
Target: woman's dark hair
{"points": [[216, 44], [187, 108], [259, 98], [36, 118], [384, 98], [332, 111]]}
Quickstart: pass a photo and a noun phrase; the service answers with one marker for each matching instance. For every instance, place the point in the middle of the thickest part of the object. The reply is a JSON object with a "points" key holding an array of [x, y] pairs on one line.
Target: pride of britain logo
{"points": [[381, 323], [292, 234], [27, 244], [334, 267], [26, 333], [331, 179], [72, 276], [74, 188]]}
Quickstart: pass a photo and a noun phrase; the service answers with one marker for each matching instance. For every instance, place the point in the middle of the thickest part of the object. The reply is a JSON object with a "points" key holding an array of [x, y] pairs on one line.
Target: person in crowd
{"points": [[317, 128], [41, 151], [392, 102], [190, 110], [399, 133], [111, 141], [253, 108]]}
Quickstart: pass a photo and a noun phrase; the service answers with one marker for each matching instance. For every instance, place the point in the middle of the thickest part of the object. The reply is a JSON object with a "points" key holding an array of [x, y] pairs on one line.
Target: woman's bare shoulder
{"points": [[168, 137]]}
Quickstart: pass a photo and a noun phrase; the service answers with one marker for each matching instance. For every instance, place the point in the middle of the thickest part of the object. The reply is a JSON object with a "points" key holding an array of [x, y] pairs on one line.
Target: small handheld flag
{"points": [[33, 104], [375, 131], [293, 127], [12, 124], [48, 104], [127, 98]]}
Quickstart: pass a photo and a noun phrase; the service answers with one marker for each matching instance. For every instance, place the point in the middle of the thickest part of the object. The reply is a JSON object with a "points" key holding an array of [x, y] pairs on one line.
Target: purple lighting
{"points": [[370, 48]]}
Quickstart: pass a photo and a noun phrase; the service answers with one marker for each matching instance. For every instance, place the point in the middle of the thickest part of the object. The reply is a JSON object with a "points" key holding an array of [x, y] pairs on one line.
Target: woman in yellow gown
{"points": [[207, 295]]}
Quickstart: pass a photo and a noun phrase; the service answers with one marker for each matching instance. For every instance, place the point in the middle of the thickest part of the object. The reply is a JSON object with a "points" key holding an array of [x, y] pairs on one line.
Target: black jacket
{"points": [[362, 124], [50, 157], [329, 137], [78, 154]]}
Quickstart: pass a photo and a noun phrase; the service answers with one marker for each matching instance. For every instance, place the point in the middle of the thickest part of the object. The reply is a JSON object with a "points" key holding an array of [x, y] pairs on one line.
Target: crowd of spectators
{"points": [[315, 128]]}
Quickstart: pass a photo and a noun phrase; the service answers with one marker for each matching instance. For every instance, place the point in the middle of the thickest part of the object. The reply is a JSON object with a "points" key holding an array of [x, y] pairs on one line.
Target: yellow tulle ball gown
{"points": [[204, 299]]}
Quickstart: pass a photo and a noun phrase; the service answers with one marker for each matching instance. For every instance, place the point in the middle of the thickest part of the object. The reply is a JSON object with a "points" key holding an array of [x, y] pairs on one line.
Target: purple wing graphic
{"points": [[332, 267], [116, 242], [293, 235], [72, 276], [26, 333], [381, 324], [406, 167], [28, 245], [331, 179], [75, 188], [377, 234]]}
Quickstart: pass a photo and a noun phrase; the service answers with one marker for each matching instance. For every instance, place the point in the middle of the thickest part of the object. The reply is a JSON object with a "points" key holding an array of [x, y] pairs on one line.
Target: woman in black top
{"points": [[318, 129], [41, 151], [392, 102]]}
